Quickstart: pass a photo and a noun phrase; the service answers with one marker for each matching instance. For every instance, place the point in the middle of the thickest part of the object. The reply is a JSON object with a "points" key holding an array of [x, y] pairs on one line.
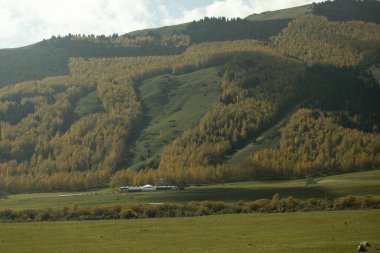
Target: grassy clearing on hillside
{"points": [[268, 139], [360, 183], [339, 231], [173, 104], [375, 69], [165, 30], [289, 13], [89, 104]]}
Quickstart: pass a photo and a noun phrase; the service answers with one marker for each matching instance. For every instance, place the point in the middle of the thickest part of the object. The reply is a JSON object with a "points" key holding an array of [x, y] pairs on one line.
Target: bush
{"points": [[347, 202], [45, 215], [192, 206], [6, 214], [102, 212], [260, 205], [313, 204], [369, 202], [27, 215], [290, 203], [215, 206], [203, 210], [240, 207], [128, 213], [150, 212], [276, 202]]}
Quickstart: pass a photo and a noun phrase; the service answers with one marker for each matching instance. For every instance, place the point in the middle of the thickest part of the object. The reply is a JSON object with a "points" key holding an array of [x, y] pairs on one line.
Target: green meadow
{"points": [[270, 138], [289, 13], [337, 231], [171, 105], [360, 183]]}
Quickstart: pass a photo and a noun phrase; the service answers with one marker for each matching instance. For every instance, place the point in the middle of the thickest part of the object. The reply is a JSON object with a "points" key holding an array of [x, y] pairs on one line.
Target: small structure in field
{"points": [[365, 243], [362, 246], [130, 189], [150, 188], [309, 180], [3, 195]]}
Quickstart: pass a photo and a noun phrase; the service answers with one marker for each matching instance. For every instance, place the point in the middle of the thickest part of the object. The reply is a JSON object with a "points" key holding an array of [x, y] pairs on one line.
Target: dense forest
{"points": [[316, 40], [75, 129], [313, 141], [221, 29], [37, 61], [346, 10]]}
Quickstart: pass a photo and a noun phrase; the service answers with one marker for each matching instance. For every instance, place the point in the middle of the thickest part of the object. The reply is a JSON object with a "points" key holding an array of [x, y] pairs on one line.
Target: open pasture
{"points": [[337, 231]]}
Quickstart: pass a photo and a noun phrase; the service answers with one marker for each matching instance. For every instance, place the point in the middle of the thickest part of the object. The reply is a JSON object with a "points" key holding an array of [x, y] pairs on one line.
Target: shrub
{"points": [[313, 204], [369, 202], [192, 206], [276, 202], [347, 202], [84, 213], [215, 206], [102, 212], [290, 203], [128, 213], [27, 215], [6, 214], [150, 212], [203, 210], [260, 205], [45, 215]]}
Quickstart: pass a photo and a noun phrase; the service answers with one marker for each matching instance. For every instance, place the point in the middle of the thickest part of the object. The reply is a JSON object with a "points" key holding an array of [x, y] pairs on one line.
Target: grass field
{"points": [[165, 30], [173, 104], [88, 104], [375, 69], [338, 231], [290, 13], [268, 139], [361, 183]]}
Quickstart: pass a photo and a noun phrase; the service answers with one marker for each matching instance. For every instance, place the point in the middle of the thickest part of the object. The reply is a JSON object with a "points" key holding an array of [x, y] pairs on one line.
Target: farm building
{"points": [[150, 188]]}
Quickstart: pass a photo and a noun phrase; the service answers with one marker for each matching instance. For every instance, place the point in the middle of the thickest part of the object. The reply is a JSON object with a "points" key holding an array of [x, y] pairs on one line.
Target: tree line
{"points": [[316, 40], [348, 10], [222, 29]]}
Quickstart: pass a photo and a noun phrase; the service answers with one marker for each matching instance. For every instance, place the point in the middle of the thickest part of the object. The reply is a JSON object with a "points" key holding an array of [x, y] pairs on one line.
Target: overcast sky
{"points": [[23, 22]]}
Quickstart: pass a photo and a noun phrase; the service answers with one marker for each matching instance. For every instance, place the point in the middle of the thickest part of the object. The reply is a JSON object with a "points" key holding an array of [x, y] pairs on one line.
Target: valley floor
{"points": [[336, 231], [360, 183]]}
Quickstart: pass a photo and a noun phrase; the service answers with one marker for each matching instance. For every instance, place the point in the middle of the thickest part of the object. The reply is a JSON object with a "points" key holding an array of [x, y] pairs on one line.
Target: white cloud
{"points": [[23, 22]]}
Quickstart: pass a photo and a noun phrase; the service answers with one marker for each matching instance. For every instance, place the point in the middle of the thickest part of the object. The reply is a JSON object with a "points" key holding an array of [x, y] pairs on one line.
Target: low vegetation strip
{"points": [[200, 208]]}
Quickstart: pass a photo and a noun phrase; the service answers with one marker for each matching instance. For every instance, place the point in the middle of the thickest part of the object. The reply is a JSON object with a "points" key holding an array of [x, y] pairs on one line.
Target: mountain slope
{"points": [[182, 103], [316, 40], [290, 13], [172, 104], [50, 57]]}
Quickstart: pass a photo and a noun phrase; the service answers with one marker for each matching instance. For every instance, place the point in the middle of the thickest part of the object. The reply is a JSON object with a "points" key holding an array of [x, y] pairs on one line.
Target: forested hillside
{"points": [[176, 103], [51, 57], [346, 10], [315, 39]]}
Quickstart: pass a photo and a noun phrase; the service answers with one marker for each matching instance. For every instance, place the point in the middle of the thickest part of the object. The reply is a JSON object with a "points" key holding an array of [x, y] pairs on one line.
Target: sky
{"points": [[23, 22]]}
